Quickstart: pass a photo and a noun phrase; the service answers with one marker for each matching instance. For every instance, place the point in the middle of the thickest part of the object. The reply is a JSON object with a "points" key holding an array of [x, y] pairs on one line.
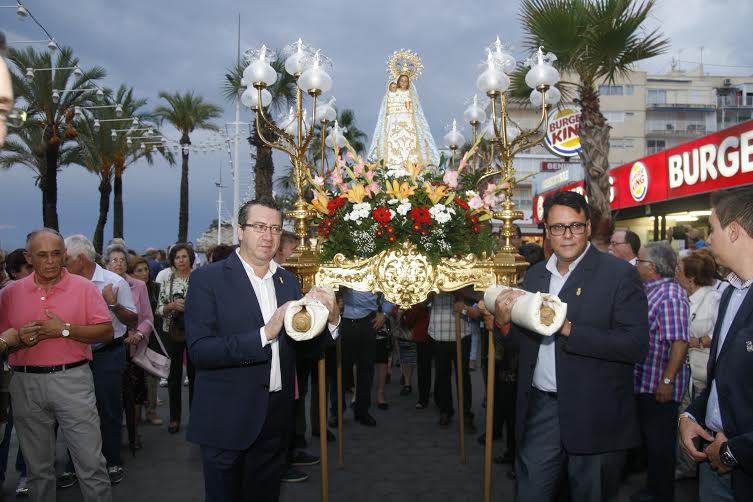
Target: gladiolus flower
{"points": [[451, 178]]}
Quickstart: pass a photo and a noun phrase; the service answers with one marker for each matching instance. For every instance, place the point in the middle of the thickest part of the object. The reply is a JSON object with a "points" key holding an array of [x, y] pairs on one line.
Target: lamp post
{"points": [[454, 139]]}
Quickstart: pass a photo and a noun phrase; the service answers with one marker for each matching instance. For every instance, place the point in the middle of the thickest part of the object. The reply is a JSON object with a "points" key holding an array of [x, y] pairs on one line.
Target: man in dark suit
{"points": [[245, 361], [721, 418], [575, 406]]}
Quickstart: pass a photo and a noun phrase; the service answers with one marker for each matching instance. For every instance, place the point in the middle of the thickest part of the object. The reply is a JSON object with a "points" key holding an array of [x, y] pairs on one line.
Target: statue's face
{"points": [[6, 99], [393, 87], [403, 82]]}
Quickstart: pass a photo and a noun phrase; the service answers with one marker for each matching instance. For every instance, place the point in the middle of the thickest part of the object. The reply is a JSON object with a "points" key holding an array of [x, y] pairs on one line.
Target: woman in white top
{"points": [[695, 273]]}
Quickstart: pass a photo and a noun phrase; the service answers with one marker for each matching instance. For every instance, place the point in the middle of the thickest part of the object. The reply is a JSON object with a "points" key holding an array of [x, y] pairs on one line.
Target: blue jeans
{"points": [[5, 450]]}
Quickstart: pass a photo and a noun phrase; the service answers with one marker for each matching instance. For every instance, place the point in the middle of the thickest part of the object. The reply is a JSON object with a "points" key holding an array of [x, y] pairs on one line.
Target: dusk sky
{"points": [[176, 45]]}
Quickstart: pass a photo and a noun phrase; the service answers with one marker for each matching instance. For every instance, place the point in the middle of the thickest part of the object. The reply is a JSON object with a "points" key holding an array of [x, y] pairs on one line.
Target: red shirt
{"points": [[73, 299]]}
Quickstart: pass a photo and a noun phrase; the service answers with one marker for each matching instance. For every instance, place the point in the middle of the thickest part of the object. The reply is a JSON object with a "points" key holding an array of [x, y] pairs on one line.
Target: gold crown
{"points": [[404, 62]]}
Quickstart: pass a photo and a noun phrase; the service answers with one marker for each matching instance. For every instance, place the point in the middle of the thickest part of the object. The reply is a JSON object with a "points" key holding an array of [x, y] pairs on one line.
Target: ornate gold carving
{"points": [[406, 277], [405, 62]]}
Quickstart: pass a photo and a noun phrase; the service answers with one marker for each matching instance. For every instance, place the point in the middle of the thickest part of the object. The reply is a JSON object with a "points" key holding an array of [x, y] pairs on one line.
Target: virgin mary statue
{"points": [[402, 133]]}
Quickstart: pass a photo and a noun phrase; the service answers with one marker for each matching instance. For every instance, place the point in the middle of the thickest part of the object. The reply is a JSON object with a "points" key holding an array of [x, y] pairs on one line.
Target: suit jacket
{"points": [[732, 370], [607, 306], [223, 318]]}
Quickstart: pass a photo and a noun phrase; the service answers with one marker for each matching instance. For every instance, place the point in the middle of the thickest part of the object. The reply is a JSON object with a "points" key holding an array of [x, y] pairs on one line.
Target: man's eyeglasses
{"points": [[261, 228], [613, 243], [638, 260], [559, 229]]}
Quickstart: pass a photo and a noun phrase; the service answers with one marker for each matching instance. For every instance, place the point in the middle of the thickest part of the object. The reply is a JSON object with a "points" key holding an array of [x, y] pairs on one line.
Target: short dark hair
{"points": [[177, 247], [288, 236], [518, 232], [634, 241], [3, 44], [568, 198], [14, 261], [735, 205], [220, 252], [261, 201], [532, 252], [700, 267]]}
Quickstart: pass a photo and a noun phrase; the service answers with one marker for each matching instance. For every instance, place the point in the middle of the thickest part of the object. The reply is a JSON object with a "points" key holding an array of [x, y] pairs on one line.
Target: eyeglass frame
{"points": [[612, 243], [570, 227], [262, 228], [638, 260]]}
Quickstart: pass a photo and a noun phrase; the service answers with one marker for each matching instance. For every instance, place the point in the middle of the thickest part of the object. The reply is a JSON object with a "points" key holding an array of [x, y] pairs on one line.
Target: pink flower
{"points": [[505, 185], [373, 189], [491, 200], [336, 177], [349, 155], [451, 179], [318, 180], [369, 175], [462, 165], [358, 169], [476, 202], [491, 188]]}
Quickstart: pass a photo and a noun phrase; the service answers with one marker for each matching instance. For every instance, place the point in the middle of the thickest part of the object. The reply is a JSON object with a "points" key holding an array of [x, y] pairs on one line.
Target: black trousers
{"points": [[424, 360], [359, 348], [175, 378], [659, 430], [445, 357], [252, 474], [504, 414]]}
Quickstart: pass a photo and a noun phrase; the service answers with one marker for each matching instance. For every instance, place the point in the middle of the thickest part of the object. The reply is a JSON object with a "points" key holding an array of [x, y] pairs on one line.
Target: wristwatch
{"points": [[66, 330], [726, 456], [668, 381]]}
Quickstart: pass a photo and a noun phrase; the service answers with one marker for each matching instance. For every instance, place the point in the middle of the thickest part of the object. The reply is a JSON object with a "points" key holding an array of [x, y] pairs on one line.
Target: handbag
{"points": [[152, 361]]}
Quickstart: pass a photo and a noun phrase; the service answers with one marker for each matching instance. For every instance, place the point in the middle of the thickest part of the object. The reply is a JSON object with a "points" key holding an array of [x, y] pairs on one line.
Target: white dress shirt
{"points": [[264, 289], [545, 373], [101, 279]]}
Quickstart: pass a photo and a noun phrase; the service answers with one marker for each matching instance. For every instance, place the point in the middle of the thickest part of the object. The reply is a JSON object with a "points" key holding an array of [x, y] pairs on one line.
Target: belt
{"points": [[50, 369], [117, 342], [552, 395]]}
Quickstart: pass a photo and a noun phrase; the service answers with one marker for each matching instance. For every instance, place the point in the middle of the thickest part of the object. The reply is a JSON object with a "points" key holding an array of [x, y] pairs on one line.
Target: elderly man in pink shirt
{"points": [[58, 315]]}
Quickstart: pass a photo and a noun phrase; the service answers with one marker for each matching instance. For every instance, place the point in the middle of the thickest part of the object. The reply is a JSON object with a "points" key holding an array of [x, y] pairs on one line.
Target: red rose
{"points": [[462, 203], [420, 215], [382, 215], [335, 204]]}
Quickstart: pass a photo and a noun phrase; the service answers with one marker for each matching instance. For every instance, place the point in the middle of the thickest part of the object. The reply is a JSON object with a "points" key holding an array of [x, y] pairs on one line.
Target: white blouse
{"points": [[704, 307]]}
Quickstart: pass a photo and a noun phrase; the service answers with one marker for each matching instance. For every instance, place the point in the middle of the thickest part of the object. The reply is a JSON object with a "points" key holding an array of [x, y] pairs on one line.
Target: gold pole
{"points": [[323, 429], [324, 127], [490, 381], [461, 397], [474, 128], [340, 434]]}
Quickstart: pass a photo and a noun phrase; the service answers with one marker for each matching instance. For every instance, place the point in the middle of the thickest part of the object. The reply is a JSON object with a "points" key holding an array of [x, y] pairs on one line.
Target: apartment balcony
{"points": [[680, 106], [677, 128], [734, 101]]}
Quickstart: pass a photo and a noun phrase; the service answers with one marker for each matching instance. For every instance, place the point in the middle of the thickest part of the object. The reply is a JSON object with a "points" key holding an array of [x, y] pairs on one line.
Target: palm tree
{"points": [[283, 96], [53, 119], [186, 112], [127, 153], [596, 40], [26, 147]]}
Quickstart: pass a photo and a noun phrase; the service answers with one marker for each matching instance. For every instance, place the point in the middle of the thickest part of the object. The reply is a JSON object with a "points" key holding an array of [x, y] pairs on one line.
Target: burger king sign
{"points": [[562, 132]]}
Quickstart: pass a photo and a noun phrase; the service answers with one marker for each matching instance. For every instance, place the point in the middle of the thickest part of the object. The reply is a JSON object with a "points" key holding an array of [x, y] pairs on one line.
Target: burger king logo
{"points": [[563, 132], [638, 181]]}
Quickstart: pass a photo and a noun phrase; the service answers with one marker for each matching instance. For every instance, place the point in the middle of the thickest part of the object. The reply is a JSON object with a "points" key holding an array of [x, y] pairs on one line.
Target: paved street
{"points": [[407, 457]]}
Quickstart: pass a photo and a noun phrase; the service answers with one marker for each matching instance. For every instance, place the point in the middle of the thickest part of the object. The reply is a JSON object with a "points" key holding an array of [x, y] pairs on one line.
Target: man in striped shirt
{"points": [[662, 378]]}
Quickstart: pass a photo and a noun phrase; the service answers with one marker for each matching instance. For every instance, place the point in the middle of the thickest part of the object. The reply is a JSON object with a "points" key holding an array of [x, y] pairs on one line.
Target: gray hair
{"points": [[78, 244], [114, 248], [34, 233], [664, 258]]}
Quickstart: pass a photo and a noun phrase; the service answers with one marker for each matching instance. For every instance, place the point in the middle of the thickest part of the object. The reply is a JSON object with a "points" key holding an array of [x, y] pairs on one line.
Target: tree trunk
{"points": [[117, 206], [264, 168], [594, 137], [183, 210], [50, 187], [105, 188]]}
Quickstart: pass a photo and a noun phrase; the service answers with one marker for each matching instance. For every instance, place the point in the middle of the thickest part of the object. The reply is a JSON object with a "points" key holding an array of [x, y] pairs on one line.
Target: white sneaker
{"points": [[185, 382], [163, 382], [22, 490]]}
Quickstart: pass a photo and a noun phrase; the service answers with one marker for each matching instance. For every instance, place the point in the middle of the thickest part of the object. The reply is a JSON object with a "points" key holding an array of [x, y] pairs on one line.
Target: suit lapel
{"points": [[573, 287], [237, 277], [743, 313]]}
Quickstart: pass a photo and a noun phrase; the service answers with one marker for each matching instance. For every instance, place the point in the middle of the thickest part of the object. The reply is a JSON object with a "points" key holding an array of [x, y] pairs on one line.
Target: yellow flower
{"points": [[414, 168], [400, 191], [320, 202], [356, 194], [435, 193]]}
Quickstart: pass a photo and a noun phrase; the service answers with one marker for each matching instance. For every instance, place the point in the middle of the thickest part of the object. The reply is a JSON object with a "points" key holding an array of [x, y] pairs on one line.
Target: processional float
{"points": [[403, 232]]}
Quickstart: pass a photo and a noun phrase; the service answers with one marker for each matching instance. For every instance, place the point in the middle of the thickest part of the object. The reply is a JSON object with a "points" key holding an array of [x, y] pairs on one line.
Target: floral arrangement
{"points": [[363, 209]]}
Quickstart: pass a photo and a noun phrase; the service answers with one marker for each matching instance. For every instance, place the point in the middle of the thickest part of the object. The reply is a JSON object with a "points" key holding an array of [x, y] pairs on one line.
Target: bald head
{"points": [[34, 236]]}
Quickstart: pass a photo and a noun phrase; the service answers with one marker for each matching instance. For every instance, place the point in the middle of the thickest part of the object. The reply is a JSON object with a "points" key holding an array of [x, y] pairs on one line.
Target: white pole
{"points": [[237, 152], [219, 209]]}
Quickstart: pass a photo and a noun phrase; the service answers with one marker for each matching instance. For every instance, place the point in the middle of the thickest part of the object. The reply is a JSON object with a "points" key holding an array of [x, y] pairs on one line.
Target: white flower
{"points": [[441, 213], [404, 207], [392, 202], [397, 173]]}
